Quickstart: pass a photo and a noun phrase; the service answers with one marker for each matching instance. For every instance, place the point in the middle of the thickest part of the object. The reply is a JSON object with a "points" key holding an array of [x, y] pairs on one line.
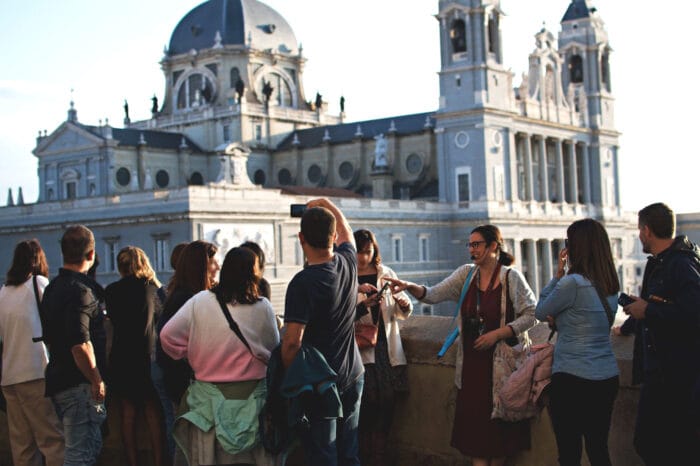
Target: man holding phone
{"points": [[667, 342], [320, 312]]}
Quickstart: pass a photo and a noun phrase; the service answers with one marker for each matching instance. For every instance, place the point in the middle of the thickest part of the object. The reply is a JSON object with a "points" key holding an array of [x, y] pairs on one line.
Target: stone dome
{"points": [[238, 22]]}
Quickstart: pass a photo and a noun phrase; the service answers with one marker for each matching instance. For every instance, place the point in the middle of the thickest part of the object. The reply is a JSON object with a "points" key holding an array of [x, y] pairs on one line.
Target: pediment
{"points": [[67, 138]]}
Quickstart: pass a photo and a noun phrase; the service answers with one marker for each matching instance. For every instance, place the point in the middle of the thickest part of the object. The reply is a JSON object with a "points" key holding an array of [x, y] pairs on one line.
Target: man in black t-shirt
{"points": [[73, 380], [320, 312]]}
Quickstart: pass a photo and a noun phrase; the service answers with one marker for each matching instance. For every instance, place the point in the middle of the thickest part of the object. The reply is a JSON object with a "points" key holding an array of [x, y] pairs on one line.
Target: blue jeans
{"points": [[334, 442], [81, 417], [167, 404]]}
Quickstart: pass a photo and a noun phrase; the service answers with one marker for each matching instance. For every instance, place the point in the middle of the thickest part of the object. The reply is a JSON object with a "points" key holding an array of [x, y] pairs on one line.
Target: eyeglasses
{"points": [[475, 244]]}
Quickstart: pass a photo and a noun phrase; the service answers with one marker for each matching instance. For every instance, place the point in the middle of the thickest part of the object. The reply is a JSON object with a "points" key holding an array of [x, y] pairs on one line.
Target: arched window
{"points": [[196, 90], [605, 70], [575, 69], [458, 36], [235, 76], [196, 179], [259, 177], [493, 33]]}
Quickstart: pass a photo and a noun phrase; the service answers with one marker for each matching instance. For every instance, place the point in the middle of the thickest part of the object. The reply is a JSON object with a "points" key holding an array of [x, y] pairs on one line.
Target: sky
{"points": [[381, 55]]}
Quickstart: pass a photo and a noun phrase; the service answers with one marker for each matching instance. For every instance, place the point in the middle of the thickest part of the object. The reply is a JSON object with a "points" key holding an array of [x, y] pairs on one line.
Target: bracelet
{"points": [[425, 292]]}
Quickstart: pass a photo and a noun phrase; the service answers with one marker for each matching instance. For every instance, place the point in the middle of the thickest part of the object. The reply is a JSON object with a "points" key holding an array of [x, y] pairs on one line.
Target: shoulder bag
{"points": [[232, 323]]}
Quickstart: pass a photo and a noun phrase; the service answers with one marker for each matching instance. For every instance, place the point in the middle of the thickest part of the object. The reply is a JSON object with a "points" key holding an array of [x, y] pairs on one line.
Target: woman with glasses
{"points": [[498, 306], [584, 373], [385, 363]]}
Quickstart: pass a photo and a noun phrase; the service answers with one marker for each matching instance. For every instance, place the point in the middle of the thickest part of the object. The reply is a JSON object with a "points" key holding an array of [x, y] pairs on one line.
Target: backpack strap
{"points": [[232, 323], [38, 305], [606, 305]]}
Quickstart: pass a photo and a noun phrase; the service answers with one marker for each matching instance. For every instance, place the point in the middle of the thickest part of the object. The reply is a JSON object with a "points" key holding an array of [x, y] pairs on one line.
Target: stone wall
{"points": [[423, 421]]}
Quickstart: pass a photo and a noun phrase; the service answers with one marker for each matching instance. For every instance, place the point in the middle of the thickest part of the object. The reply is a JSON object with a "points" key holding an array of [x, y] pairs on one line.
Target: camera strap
{"points": [[455, 332], [232, 323]]}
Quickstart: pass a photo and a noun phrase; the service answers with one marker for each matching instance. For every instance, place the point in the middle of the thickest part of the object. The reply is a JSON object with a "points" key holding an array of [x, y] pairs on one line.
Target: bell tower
{"points": [[471, 72], [584, 46]]}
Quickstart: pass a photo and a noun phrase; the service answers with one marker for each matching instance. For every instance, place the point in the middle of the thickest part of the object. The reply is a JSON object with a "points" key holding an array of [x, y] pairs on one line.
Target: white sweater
{"points": [[22, 359], [199, 332]]}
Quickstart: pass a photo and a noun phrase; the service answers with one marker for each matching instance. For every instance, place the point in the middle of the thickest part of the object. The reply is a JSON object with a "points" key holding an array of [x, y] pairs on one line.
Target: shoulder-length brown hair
{"points": [[362, 239], [29, 259], [239, 277], [192, 272], [134, 261], [590, 255]]}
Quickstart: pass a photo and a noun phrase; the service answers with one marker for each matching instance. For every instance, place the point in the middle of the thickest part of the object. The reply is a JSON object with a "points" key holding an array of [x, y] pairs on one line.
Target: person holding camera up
{"points": [[384, 359], [499, 305], [580, 304], [319, 312]]}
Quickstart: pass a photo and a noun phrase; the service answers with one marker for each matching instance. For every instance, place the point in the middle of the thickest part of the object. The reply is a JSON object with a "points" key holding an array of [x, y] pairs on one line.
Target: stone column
{"points": [[517, 252], [561, 193], [586, 168], [513, 164], [527, 160], [532, 265], [573, 188], [544, 181], [546, 261]]}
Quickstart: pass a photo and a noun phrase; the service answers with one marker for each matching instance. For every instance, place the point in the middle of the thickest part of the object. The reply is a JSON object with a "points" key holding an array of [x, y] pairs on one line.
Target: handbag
{"points": [[366, 335]]}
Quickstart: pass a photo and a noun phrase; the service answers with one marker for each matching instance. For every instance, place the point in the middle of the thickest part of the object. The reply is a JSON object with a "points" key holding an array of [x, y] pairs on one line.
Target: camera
{"points": [[473, 327], [624, 300], [297, 210]]}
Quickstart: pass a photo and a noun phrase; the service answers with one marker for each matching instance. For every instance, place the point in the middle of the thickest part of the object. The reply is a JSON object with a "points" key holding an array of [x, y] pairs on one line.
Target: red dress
{"points": [[474, 433]]}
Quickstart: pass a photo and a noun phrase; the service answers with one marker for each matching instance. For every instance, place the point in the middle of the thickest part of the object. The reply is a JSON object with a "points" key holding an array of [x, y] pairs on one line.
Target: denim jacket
{"points": [[583, 345]]}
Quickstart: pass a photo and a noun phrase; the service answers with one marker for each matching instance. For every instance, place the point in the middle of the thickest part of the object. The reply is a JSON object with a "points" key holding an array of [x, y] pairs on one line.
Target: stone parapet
{"points": [[423, 418]]}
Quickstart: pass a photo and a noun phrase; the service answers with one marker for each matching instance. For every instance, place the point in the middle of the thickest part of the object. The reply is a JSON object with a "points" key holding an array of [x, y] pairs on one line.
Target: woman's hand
{"points": [[550, 323], [403, 302], [367, 288], [372, 300], [487, 340], [561, 270]]}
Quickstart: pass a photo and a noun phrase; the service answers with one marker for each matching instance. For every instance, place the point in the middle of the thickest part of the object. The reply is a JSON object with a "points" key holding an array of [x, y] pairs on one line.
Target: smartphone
{"points": [[382, 290], [624, 300], [297, 210], [385, 287]]}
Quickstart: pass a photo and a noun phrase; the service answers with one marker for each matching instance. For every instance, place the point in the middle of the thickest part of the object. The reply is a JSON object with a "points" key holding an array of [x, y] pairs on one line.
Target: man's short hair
{"points": [[76, 244], [318, 227], [660, 219]]}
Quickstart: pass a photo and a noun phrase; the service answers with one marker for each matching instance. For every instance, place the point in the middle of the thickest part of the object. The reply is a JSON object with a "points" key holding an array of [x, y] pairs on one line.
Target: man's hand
{"points": [[98, 391], [638, 309]]}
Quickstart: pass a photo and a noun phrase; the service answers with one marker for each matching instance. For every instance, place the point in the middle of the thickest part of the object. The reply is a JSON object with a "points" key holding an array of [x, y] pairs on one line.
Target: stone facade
{"points": [[236, 141]]}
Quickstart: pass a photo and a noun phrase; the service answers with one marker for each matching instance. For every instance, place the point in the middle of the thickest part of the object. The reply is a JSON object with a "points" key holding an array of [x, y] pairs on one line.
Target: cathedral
{"points": [[236, 140]]}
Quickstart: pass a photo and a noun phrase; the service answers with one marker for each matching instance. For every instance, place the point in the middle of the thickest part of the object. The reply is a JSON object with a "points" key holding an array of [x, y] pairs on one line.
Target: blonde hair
{"points": [[133, 261]]}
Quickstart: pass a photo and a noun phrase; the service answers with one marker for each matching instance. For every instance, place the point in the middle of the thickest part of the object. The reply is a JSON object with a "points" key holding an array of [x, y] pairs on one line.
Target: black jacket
{"points": [[667, 340]]}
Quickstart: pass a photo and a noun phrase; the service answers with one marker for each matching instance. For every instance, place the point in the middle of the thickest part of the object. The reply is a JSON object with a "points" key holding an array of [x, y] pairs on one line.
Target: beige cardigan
{"points": [[391, 313], [521, 295]]}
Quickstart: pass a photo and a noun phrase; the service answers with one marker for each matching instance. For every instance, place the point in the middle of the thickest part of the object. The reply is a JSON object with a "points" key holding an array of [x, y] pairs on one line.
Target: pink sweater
{"points": [[199, 332]]}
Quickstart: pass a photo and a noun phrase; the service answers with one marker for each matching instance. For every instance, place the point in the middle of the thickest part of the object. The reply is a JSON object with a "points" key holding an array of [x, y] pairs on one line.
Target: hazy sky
{"points": [[382, 55]]}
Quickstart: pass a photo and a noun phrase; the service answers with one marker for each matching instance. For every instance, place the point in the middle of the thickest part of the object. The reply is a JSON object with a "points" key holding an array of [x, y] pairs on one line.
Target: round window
{"points": [[346, 170], [197, 179], [123, 176], [414, 164], [284, 177], [162, 178], [259, 177], [314, 173]]}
